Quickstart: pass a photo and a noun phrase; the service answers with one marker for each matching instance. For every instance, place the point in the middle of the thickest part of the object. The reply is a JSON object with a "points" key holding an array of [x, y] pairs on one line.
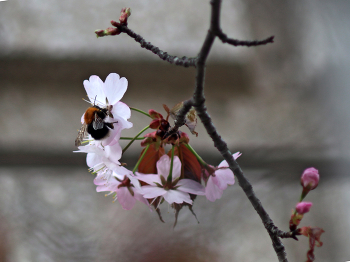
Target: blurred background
{"points": [[285, 106]]}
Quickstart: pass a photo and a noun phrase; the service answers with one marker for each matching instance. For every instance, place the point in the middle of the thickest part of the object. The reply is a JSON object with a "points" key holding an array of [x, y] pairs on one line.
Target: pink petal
{"points": [[152, 191], [125, 198], [235, 156], [190, 186], [104, 178], [224, 177], [115, 87], [176, 167], [163, 167], [176, 196], [113, 137], [106, 185], [212, 192], [150, 179], [134, 181]]}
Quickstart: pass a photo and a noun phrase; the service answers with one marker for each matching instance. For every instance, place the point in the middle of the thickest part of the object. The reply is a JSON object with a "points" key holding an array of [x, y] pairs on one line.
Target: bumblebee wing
{"points": [[81, 135], [98, 122]]}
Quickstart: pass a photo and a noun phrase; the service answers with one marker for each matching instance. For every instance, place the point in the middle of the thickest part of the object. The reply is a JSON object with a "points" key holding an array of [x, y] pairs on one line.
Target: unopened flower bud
{"points": [[124, 14], [303, 207], [112, 31], [115, 23], [310, 178], [100, 33]]}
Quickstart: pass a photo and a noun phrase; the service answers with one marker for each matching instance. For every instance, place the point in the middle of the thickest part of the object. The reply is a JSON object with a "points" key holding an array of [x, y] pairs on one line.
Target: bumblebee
{"points": [[94, 123]]}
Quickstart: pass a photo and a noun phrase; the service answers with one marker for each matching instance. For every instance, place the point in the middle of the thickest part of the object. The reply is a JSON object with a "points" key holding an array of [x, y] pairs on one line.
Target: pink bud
{"points": [[303, 207], [310, 178]]}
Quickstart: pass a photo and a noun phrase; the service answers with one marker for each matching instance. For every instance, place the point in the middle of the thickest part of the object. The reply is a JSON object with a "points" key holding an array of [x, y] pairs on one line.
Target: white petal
{"points": [[177, 196], [150, 179], [94, 90], [125, 198], [113, 153], [89, 149], [212, 192], [122, 123], [107, 185], [82, 118], [190, 186], [122, 110], [115, 88], [93, 159], [152, 191]]}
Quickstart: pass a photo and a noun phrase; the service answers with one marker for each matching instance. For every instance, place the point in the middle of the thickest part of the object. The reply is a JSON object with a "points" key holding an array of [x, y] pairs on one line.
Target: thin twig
{"points": [[223, 37], [183, 61]]}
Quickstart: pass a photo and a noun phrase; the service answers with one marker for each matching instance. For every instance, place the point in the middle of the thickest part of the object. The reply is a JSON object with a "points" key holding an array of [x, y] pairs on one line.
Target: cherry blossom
{"points": [[175, 192], [99, 158], [120, 184], [107, 94], [219, 180]]}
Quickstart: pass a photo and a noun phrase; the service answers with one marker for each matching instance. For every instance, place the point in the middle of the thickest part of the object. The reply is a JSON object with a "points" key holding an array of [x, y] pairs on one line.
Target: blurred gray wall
{"points": [[285, 106]]}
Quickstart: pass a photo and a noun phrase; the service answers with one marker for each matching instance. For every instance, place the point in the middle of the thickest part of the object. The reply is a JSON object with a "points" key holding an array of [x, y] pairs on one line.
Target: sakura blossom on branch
{"points": [[120, 184], [107, 95], [173, 190], [99, 158], [218, 178]]}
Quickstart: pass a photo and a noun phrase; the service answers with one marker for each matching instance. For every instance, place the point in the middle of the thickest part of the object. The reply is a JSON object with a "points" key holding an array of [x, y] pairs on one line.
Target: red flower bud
{"points": [[114, 23], [100, 33], [124, 14], [303, 207], [154, 114], [112, 31]]}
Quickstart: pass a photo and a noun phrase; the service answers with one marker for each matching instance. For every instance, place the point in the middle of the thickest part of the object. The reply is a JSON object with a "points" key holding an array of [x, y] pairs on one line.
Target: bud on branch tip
{"points": [[310, 178]]}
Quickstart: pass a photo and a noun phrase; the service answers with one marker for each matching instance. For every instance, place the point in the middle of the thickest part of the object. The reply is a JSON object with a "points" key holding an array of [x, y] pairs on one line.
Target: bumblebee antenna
{"points": [[95, 100]]}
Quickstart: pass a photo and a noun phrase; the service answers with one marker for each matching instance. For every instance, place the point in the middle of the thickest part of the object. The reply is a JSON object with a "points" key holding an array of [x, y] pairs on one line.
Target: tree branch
{"points": [[219, 143]]}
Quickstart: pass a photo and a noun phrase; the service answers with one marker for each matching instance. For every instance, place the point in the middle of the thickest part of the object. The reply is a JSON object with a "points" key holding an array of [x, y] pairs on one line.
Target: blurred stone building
{"points": [[284, 105]]}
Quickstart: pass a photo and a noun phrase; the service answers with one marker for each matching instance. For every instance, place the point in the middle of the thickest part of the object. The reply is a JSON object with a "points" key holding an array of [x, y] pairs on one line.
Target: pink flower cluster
{"points": [[167, 179]]}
